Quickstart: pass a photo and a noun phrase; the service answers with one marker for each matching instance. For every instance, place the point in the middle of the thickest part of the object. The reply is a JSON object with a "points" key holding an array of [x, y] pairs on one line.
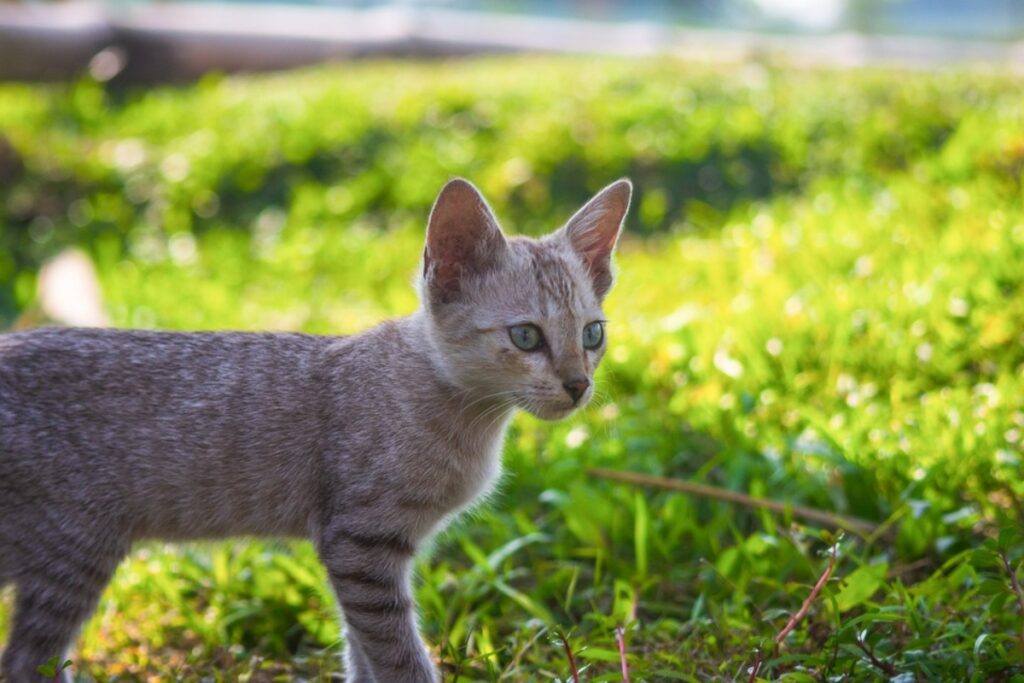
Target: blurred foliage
{"points": [[822, 301], [127, 172]]}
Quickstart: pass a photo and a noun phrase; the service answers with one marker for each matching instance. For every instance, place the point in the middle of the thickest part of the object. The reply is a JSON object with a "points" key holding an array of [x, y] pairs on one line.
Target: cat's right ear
{"points": [[463, 239]]}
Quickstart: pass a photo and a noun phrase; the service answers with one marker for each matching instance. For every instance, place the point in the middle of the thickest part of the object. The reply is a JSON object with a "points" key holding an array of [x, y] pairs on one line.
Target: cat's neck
{"points": [[475, 416]]}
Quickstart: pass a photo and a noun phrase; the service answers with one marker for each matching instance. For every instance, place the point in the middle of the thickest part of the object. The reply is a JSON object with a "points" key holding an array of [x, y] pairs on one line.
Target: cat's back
{"points": [[128, 389], [164, 423], [56, 350], [139, 371]]}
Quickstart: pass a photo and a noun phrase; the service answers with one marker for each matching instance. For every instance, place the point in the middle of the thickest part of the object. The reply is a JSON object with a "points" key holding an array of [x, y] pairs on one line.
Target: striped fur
{"points": [[366, 444]]}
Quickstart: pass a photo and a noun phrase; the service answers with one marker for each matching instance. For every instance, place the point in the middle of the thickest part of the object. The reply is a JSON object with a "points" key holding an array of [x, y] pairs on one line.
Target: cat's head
{"points": [[514, 320]]}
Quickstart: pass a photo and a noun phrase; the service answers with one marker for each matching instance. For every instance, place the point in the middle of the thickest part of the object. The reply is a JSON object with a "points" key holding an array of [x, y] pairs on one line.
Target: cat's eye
{"points": [[593, 335], [526, 337]]}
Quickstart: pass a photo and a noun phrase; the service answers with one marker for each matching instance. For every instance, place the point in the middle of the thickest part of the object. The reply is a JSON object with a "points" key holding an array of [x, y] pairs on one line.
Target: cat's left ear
{"points": [[595, 229]]}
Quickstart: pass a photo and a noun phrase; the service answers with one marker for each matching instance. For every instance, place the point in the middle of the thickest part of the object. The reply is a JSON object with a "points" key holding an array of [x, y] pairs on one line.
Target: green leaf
{"points": [[978, 642], [52, 667], [860, 585], [640, 530], [599, 654]]}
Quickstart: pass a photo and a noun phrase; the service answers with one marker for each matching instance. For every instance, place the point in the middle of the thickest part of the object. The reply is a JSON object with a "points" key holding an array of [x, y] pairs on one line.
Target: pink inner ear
{"points": [[463, 237], [448, 253], [594, 230], [594, 247], [597, 243], [447, 275]]}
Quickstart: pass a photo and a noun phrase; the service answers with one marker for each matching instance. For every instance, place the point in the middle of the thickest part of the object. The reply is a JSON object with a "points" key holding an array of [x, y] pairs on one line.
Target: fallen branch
{"points": [[859, 526]]}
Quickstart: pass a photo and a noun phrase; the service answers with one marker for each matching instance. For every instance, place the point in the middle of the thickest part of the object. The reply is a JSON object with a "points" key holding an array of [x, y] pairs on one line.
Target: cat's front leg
{"points": [[357, 666], [370, 573]]}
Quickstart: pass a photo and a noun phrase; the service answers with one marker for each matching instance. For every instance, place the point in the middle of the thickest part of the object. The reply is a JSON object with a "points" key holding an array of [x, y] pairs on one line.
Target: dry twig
{"points": [[569, 654], [802, 612], [858, 526], [884, 667], [1015, 586], [799, 615], [620, 638]]}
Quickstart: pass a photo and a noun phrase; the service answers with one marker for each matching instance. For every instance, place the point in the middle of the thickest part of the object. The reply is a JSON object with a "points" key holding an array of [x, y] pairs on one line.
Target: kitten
{"points": [[365, 444]]}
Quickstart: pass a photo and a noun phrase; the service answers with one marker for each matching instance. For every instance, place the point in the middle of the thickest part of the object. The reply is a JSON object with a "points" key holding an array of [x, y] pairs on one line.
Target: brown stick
{"points": [[1013, 581], [798, 617], [620, 638], [1015, 586], [572, 659], [885, 667], [858, 526], [802, 612]]}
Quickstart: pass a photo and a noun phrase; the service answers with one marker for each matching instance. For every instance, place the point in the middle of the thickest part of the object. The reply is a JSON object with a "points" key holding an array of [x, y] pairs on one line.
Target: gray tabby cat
{"points": [[366, 444]]}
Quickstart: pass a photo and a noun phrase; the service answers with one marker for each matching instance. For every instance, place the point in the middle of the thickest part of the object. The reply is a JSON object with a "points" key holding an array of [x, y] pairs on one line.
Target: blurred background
{"points": [[163, 41], [820, 302]]}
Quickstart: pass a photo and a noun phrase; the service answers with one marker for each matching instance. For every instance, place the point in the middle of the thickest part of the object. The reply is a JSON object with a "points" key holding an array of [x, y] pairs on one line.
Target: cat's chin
{"points": [[552, 412]]}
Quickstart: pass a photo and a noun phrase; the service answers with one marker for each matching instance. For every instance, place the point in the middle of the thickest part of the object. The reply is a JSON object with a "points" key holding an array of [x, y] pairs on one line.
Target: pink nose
{"points": [[576, 388]]}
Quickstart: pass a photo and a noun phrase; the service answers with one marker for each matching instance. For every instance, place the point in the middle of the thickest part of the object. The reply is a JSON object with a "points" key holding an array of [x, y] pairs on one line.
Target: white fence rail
{"points": [[181, 41]]}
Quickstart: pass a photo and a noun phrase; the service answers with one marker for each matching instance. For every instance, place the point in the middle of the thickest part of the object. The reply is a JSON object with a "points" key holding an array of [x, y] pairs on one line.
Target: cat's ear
{"points": [[595, 229], [463, 239]]}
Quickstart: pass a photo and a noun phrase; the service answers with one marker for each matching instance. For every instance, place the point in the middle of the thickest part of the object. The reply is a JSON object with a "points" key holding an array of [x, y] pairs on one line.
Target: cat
{"points": [[365, 444]]}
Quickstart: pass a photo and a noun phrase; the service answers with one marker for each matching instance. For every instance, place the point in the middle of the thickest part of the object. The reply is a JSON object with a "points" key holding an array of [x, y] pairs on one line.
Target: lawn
{"points": [[820, 301]]}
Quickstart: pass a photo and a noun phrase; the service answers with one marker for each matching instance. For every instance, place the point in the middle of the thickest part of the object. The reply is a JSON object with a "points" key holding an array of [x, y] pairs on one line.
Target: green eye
{"points": [[526, 337], [593, 335]]}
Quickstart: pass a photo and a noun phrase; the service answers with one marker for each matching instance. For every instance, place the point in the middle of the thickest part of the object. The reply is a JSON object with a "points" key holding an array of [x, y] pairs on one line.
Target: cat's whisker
{"points": [[499, 415], [486, 397], [463, 408], [503, 402], [499, 409], [600, 397]]}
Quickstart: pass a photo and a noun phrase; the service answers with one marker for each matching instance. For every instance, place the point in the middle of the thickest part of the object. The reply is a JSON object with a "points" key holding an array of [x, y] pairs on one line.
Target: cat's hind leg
{"points": [[55, 594], [9, 555], [7, 567]]}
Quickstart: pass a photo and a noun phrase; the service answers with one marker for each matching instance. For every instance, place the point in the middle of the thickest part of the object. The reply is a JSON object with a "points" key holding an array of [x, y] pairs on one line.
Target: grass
{"points": [[821, 301]]}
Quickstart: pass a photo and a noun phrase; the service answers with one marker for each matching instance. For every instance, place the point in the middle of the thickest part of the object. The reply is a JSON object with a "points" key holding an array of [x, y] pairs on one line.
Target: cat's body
{"points": [[364, 444]]}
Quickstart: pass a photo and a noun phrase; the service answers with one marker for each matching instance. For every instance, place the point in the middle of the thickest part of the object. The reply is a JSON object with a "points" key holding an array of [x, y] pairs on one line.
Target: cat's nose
{"points": [[576, 387]]}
